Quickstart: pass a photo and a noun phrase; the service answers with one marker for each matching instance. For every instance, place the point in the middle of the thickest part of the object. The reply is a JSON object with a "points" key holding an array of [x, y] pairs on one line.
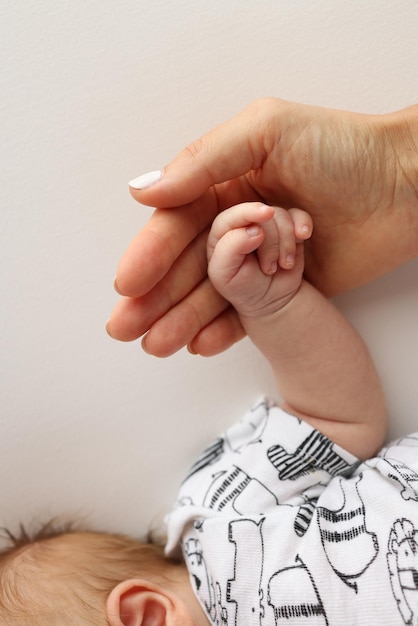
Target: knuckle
{"points": [[266, 104], [194, 149]]}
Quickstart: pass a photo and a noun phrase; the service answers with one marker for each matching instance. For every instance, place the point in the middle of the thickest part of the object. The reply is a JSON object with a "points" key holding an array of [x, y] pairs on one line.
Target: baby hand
{"points": [[255, 256]]}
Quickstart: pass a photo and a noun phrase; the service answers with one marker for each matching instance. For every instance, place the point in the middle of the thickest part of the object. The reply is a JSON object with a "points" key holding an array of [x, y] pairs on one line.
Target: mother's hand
{"points": [[355, 174]]}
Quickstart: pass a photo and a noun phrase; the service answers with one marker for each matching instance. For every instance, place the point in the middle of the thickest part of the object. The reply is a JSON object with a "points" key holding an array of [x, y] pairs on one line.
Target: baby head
{"points": [[66, 577]]}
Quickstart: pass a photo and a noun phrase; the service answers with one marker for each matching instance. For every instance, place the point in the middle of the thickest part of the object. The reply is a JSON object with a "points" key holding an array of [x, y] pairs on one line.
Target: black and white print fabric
{"points": [[278, 525]]}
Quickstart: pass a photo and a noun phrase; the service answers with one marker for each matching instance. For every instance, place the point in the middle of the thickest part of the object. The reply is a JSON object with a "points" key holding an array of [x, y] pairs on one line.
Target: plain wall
{"points": [[93, 94]]}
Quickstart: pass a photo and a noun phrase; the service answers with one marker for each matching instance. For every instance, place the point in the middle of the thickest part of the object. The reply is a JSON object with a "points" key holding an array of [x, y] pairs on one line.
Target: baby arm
{"points": [[323, 369]]}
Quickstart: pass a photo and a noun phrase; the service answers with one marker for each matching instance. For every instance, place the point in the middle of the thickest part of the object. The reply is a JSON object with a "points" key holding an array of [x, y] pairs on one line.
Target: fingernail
{"points": [[290, 259], [115, 286], [253, 231], [108, 331], [144, 347], [190, 350], [146, 180], [273, 267]]}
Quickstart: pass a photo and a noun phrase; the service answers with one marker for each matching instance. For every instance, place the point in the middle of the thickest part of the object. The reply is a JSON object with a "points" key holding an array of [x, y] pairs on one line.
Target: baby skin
{"points": [[323, 369], [325, 376]]}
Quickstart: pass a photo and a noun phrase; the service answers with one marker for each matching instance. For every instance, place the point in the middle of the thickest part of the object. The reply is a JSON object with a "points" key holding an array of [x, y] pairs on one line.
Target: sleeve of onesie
{"points": [[260, 481], [278, 524], [267, 459]]}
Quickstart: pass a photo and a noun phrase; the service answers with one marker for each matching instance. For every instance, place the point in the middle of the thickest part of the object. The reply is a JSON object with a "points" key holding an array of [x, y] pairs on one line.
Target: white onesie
{"points": [[279, 525]]}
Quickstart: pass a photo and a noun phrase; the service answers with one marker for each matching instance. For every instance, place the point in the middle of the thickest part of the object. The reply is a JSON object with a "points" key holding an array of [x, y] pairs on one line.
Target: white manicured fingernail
{"points": [[146, 180]]}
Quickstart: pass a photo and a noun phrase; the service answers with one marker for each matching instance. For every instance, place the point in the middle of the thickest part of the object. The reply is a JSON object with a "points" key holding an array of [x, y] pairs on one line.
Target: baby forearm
{"points": [[323, 370]]}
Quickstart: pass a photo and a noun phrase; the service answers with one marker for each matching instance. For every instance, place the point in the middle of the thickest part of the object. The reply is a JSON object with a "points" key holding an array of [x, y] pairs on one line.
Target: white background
{"points": [[94, 93]]}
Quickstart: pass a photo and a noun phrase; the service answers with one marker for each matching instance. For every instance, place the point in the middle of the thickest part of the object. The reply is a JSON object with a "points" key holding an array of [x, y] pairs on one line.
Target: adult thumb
{"points": [[225, 153]]}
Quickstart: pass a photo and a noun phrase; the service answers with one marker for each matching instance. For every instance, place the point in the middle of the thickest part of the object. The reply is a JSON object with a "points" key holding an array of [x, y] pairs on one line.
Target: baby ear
{"points": [[137, 602]]}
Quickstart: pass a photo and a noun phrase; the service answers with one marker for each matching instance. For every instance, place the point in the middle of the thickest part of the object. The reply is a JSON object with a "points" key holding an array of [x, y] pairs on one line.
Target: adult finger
{"points": [[134, 316], [182, 323], [154, 250], [223, 332]]}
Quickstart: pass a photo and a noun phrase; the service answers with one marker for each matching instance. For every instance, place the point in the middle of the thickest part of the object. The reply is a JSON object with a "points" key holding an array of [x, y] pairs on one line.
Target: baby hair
{"points": [[62, 575]]}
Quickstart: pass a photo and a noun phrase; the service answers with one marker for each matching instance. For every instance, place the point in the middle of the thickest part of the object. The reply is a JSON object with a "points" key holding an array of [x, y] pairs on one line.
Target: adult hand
{"points": [[355, 174]]}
